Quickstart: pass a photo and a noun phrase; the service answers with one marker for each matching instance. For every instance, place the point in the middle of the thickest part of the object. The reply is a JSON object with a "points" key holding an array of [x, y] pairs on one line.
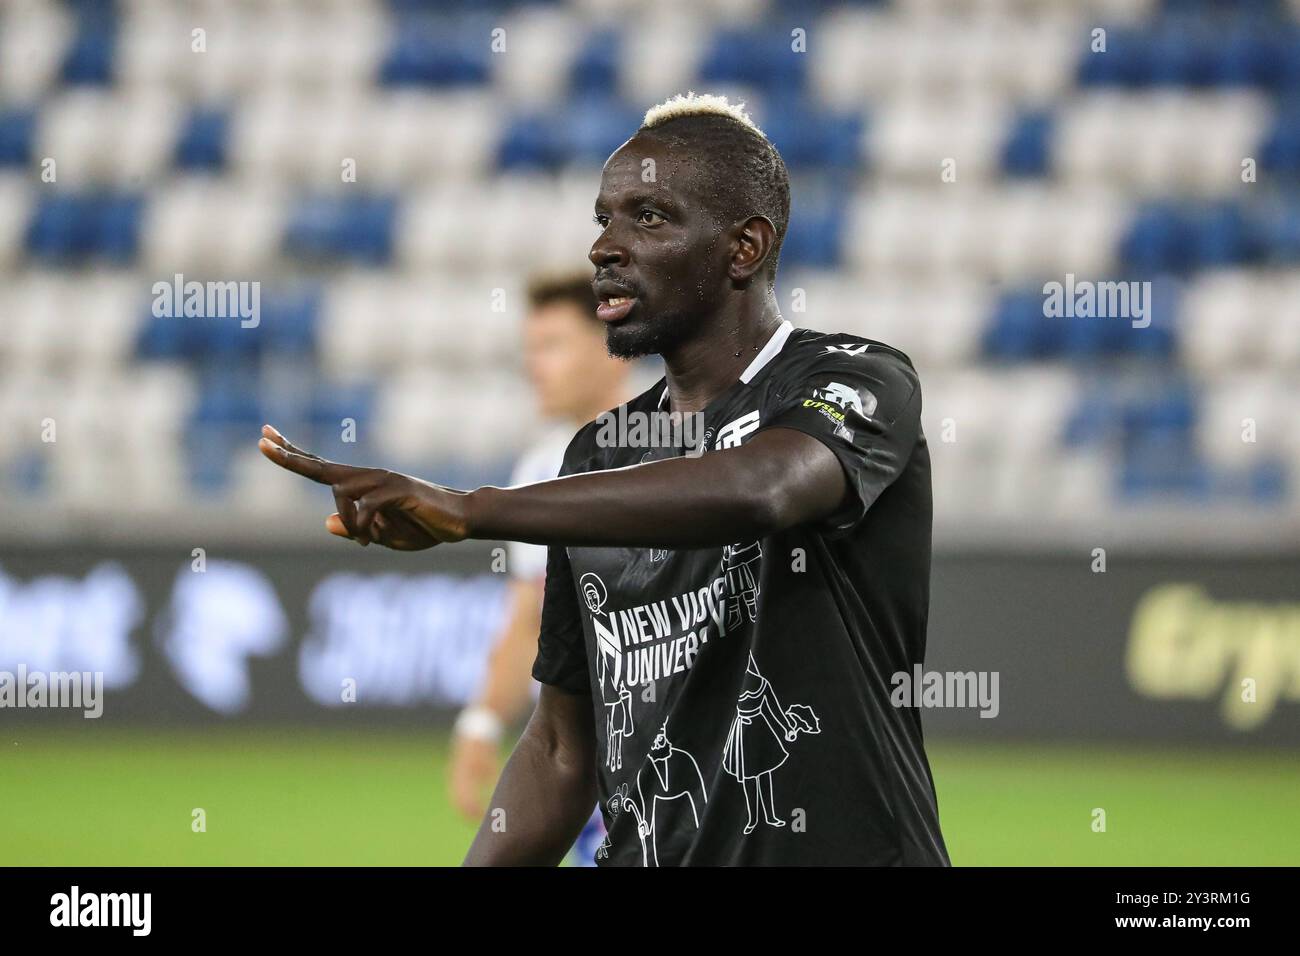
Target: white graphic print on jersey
{"points": [[756, 744], [669, 775]]}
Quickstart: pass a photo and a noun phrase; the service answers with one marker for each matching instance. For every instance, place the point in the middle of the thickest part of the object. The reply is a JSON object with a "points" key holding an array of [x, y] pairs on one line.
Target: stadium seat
{"points": [[202, 142], [358, 228], [89, 58], [761, 58], [398, 165], [437, 53]]}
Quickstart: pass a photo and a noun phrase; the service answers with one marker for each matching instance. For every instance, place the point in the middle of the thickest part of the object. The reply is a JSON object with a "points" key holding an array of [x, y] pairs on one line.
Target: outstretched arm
{"points": [[778, 479], [547, 789]]}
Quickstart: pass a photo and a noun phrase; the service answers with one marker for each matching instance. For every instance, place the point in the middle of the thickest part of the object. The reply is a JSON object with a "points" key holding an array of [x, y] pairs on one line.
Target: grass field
{"points": [[297, 797]]}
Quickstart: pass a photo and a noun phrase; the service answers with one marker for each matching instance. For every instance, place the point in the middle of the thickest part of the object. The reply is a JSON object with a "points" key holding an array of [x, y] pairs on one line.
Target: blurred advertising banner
{"points": [[264, 634], [1030, 646], [1201, 650]]}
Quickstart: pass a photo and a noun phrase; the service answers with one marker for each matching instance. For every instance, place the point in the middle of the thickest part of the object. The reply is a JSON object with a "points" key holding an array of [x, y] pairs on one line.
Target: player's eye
{"points": [[600, 219], [648, 217]]}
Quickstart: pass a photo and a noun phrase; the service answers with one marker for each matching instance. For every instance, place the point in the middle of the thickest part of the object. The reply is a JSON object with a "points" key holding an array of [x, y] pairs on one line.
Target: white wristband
{"points": [[479, 723]]}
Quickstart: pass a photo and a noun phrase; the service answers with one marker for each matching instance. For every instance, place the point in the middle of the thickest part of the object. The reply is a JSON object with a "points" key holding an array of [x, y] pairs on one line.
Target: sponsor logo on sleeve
{"points": [[834, 399]]}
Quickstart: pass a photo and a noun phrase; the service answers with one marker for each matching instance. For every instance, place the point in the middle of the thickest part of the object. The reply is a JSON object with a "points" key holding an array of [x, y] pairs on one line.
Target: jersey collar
{"points": [[768, 352]]}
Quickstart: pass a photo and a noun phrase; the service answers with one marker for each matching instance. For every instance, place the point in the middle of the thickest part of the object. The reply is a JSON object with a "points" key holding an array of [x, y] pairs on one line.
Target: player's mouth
{"points": [[615, 308]]}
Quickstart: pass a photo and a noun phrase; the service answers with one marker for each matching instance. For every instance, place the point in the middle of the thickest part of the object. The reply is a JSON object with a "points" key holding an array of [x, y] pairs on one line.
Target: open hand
{"points": [[394, 510]]}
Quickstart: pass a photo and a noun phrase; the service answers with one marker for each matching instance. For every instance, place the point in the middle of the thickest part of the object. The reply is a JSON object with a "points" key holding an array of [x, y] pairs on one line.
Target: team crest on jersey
{"points": [[734, 432]]}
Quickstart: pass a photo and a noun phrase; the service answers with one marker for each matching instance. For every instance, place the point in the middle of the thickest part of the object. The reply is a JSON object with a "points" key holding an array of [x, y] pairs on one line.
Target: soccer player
{"points": [[574, 379], [722, 619]]}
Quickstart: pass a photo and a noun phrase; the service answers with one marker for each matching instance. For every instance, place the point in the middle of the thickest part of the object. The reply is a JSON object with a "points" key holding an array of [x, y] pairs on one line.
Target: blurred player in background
{"points": [[574, 379]]}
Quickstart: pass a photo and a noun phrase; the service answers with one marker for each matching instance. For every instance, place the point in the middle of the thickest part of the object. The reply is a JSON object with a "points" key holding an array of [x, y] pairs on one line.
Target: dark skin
{"points": [[661, 246]]}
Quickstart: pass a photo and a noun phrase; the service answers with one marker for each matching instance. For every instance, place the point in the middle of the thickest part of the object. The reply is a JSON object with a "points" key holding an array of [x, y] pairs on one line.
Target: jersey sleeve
{"points": [[561, 647], [866, 408]]}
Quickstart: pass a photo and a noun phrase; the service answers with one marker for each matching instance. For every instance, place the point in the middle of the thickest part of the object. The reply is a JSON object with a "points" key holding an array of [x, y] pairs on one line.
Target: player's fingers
{"points": [[317, 469], [273, 433], [361, 481], [334, 525], [369, 506], [348, 515], [381, 530], [364, 519]]}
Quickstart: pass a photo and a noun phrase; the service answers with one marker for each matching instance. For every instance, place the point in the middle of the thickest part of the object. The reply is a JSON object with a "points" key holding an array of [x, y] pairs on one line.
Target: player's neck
{"points": [[706, 366]]}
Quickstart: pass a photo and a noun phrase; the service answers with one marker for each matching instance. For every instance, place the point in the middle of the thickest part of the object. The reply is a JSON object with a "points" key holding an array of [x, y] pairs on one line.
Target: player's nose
{"points": [[607, 251]]}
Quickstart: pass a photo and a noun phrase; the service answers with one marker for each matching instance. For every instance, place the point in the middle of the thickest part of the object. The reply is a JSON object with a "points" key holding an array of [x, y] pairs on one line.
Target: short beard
{"points": [[649, 336]]}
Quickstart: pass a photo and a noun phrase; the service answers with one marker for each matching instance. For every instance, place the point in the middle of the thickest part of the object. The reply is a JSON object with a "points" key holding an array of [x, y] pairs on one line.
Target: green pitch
{"points": [[294, 797]]}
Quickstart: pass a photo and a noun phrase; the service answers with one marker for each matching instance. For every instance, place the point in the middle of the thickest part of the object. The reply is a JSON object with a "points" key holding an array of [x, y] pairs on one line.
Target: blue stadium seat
{"points": [[438, 52], [1168, 410], [202, 141], [228, 394], [1273, 8], [331, 404], [530, 142], [286, 327], [119, 227], [1160, 239], [1096, 418], [1192, 48], [1186, 52], [1019, 330], [89, 58], [289, 320], [1028, 149], [68, 228], [1250, 53], [760, 57], [30, 472], [408, 8], [1087, 337], [17, 133], [228, 414], [1287, 39], [1160, 456], [165, 337], [1125, 61], [1225, 236], [1280, 152], [814, 234], [1165, 466], [1268, 482], [354, 228], [1281, 227], [811, 137], [1159, 340], [594, 126], [62, 228], [595, 69]]}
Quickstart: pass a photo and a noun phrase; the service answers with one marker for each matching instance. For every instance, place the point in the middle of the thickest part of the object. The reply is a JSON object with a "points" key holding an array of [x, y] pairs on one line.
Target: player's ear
{"points": [[752, 240]]}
